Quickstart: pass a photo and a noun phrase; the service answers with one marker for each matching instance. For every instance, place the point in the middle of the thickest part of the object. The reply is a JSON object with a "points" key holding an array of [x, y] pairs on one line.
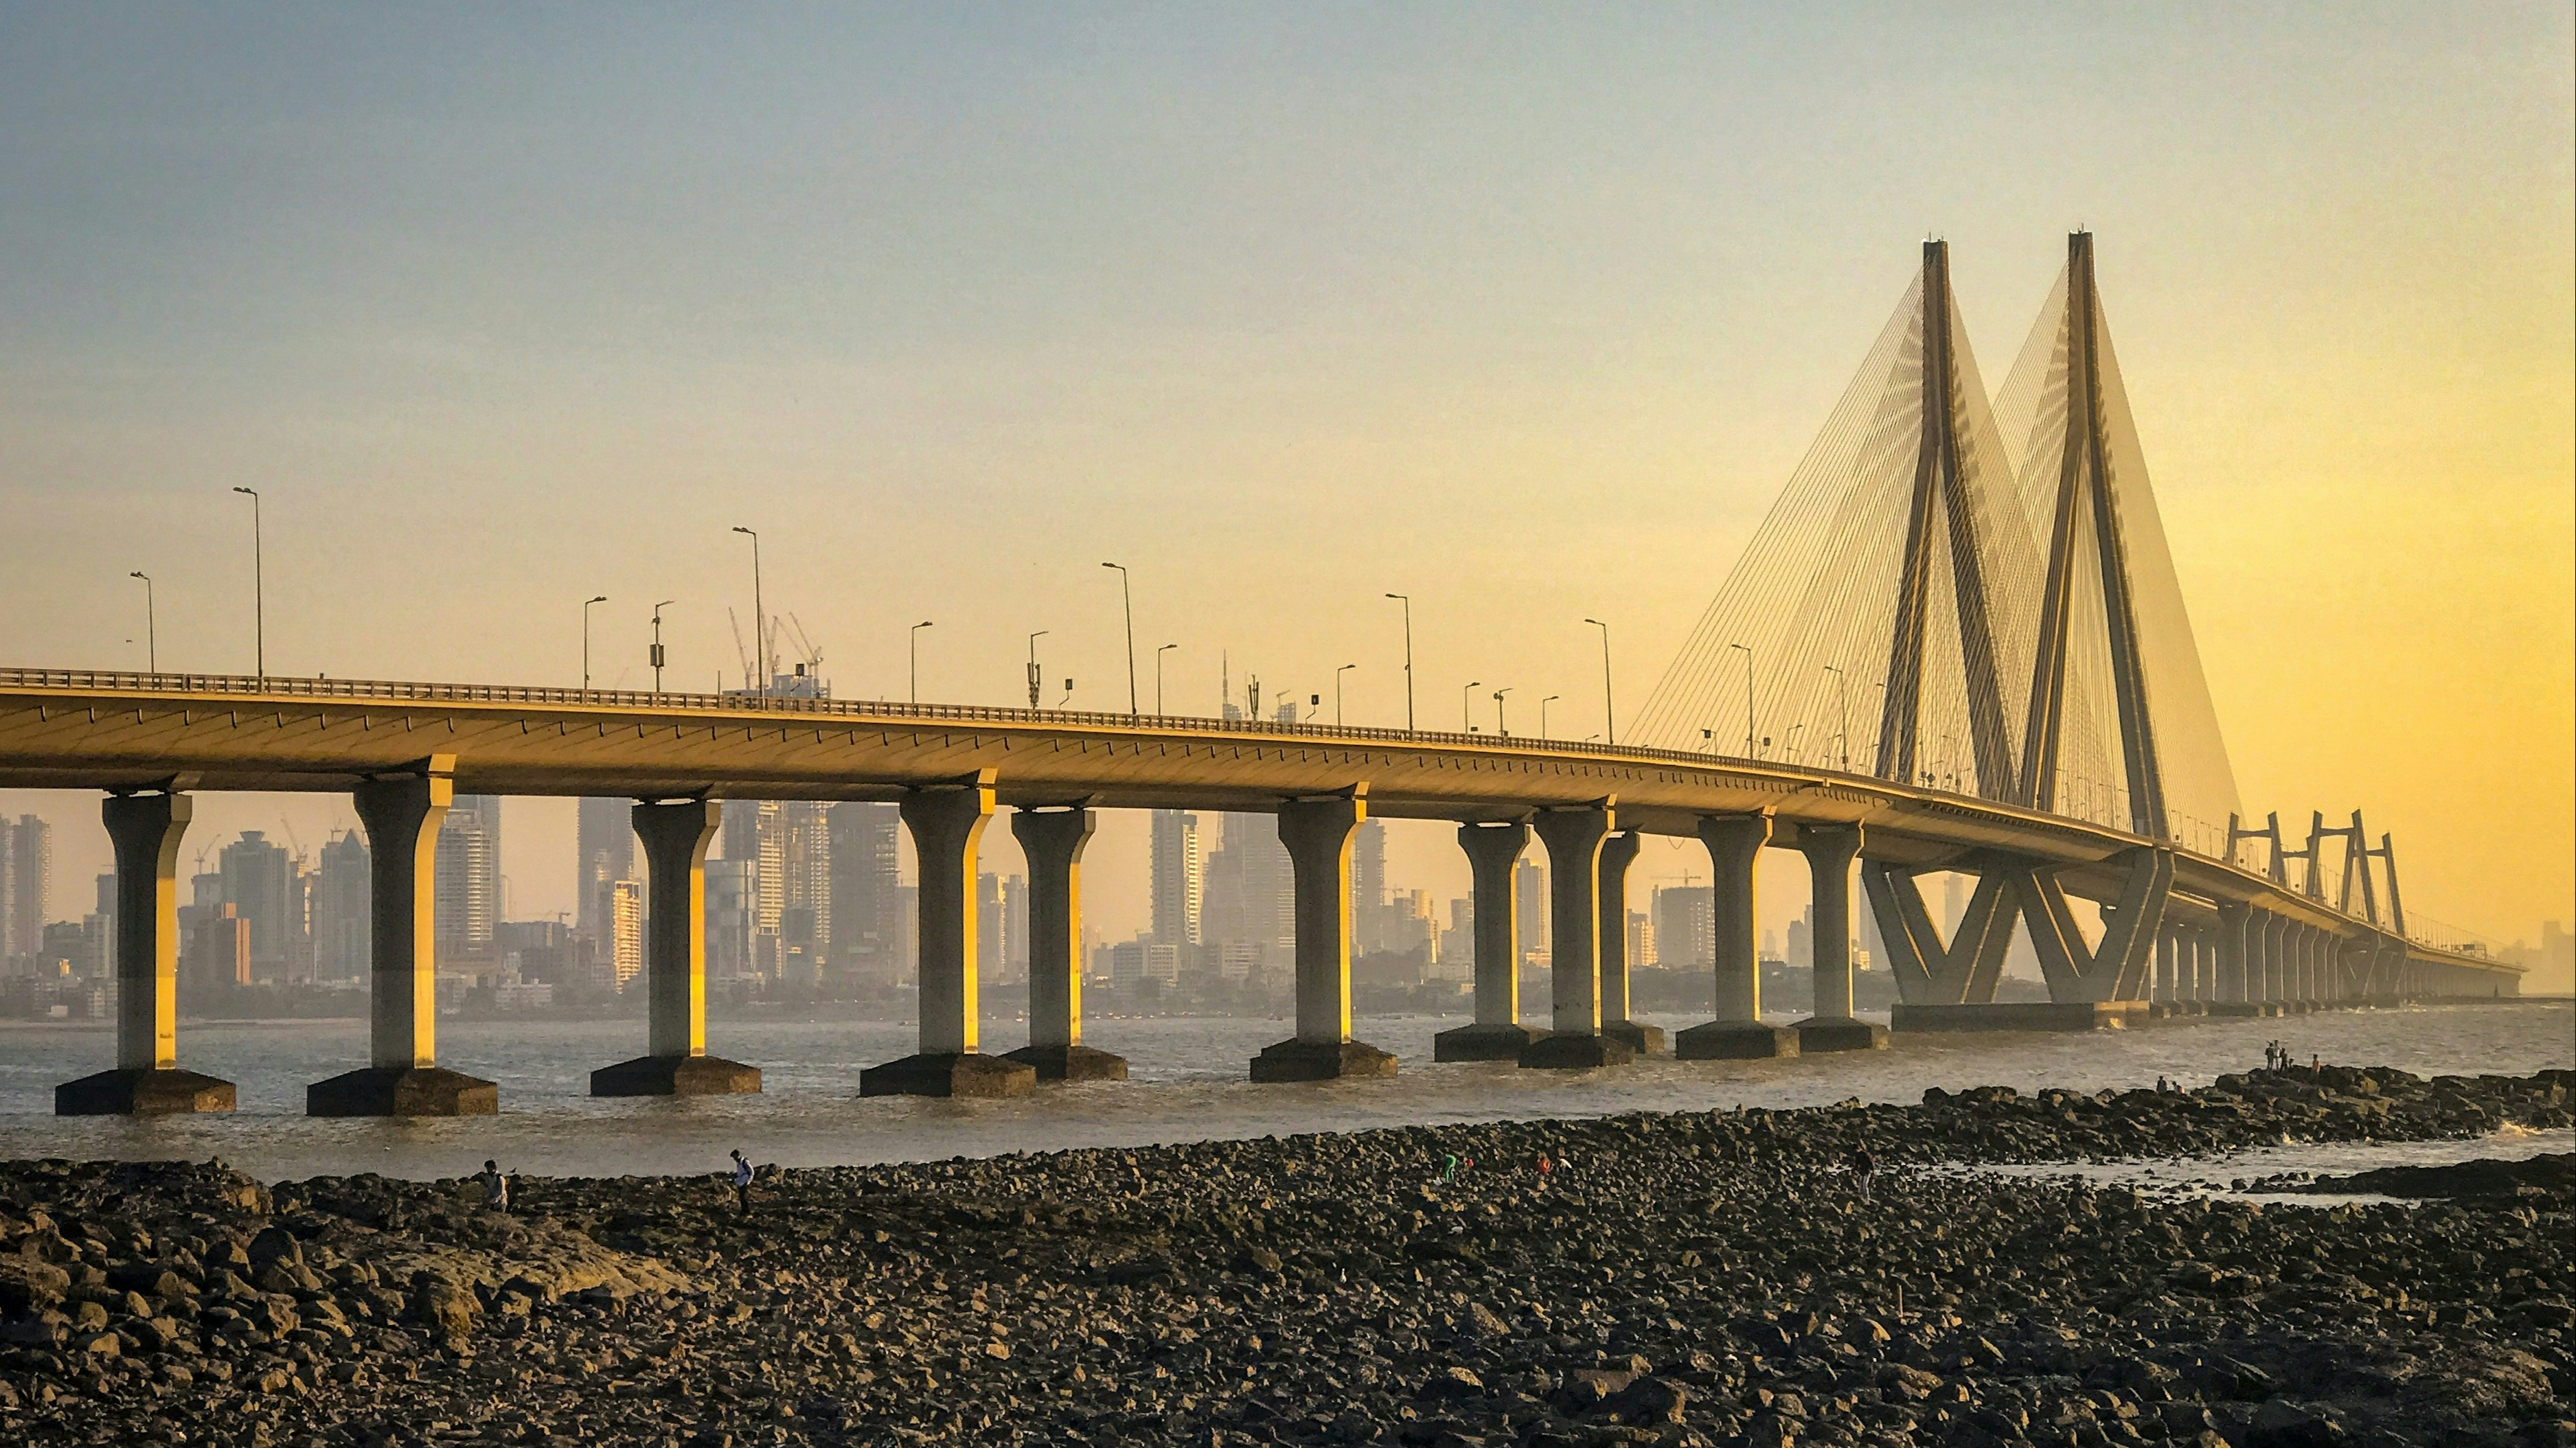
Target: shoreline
{"points": [[1693, 1277]]}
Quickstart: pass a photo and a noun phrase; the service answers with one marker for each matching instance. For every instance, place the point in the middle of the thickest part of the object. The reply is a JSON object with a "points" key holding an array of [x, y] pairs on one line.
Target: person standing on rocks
{"points": [[1864, 1167], [496, 1187], [741, 1181]]}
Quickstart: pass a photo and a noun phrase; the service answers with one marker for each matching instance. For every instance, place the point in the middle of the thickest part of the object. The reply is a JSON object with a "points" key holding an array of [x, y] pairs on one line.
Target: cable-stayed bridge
{"points": [[1957, 644]]}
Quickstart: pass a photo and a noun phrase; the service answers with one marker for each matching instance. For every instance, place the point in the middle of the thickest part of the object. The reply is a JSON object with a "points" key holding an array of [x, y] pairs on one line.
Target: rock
{"points": [[1451, 1384], [444, 1307], [29, 1283]]}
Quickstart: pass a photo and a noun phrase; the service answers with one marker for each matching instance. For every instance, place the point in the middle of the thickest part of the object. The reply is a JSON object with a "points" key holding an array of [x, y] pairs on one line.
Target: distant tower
{"points": [[1178, 881]]}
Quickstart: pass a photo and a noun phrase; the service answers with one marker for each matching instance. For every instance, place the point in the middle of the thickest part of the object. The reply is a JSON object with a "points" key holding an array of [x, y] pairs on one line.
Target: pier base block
{"points": [[1735, 1041], [402, 1091], [2022, 1016], [1643, 1040], [949, 1073], [676, 1076], [1483, 1043], [1575, 1053], [1294, 1060], [142, 1092], [1818, 1034], [1070, 1063]]}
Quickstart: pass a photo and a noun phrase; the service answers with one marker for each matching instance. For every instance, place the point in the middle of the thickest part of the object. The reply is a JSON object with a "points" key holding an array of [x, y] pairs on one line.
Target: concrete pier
{"points": [[1497, 1034], [1317, 834], [401, 815], [1574, 1041], [1053, 841], [1830, 850], [145, 829], [675, 1061], [947, 824], [1618, 852], [1738, 1033]]}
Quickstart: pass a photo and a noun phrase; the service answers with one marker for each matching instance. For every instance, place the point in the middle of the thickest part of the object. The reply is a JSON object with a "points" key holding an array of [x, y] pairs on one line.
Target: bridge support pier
{"points": [[1053, 840], [1497, 1035], [1618, 852], [675, 1061], [403, 1077], [1830, 850], [947, 824], [147, 1081], [1574, 840], [1317, 834], [2274, 932], [1734, 849]]}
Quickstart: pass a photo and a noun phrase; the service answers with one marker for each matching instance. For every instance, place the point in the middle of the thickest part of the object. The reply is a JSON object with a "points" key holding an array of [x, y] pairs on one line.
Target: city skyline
{"points": [[455, 453]]}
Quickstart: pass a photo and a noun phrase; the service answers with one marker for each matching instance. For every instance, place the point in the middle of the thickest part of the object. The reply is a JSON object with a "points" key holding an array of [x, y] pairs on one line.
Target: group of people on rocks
{"points": [[2277, 1057]]}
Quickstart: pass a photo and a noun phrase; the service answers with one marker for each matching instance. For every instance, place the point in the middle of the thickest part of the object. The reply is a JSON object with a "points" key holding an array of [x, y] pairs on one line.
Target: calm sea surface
{"points": [[1188, 1084]]}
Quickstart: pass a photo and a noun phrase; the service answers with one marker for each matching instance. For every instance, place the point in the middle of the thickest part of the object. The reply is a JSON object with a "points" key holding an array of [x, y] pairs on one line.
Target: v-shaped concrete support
{"points": [[1928, 972], [2116, 970]]}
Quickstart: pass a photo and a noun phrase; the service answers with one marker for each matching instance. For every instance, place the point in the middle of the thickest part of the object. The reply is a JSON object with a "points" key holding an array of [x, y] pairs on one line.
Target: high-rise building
{"points": [[106, 887], [1641, 939], [468, 903], [732, 894], [1685, 925], [342, 945], [26, 885], [1015, 925], [871, 931], [1368, 888], [605, 841], [625, 938], [1529, 903], [263, 886], [1178, 883], [1250, 896]]}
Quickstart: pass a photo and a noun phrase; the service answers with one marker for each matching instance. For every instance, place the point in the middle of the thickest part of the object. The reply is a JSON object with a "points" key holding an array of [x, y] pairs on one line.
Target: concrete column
{"points": [[1498, 1035], [1618, 853], [1734, 849], [2204, 955], [2272, 934], [947, 826], [1053, 841], [1317, 833], [1830, 850], [1574, 838], [2232, 954], [144, 830], [401, 816], [2167, 947], [675, 1062]]}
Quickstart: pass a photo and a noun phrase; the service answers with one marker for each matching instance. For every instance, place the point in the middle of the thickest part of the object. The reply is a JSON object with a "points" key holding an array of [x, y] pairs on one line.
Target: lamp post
{"points": [[1158, 677], [759, 629], [1501, 730], [258, 587], [1127, 595], [1748, 697], [1609, 719], [1542, 713], [1407, 601], [585, 639], [1033, 666], [151, 629], [1789, 741], [1337, 692], [657, 643], [1842, 723], [914, 638], [1467, 701]]}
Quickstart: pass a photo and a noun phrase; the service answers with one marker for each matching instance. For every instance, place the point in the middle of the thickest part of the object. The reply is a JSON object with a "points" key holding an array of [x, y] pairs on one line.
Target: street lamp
{"points": [[1033, 666], [1501, 731], [914, 638], [1466, 701], [657, 644], [1609, 720], [585, 639], [1407, 601], [151, 630], [1789, 741], [1337, 692], [1158, 677], [258, 586], [1542, 713], [759, 629], [1748, 698], [1127, 594], [1842, 730]]}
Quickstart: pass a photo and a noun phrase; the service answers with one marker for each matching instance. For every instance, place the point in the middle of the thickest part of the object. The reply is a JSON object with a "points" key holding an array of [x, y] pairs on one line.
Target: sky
{"points": [[1525, 311]]}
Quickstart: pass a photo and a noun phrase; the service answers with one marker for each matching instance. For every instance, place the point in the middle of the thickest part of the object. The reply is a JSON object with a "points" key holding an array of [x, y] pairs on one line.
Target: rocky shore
{"points": [[1714, 1278]]}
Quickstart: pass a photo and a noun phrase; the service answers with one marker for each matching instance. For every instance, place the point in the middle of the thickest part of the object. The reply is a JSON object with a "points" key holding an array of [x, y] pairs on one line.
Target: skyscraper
{"points": [[1529, 903], [26, 884], [468, 902], [605, 835], [732, 892], [262, 886], [870, 932], [1177, 880], [1250, 896], [1685, 925], [1368, 888], [342, 946]]}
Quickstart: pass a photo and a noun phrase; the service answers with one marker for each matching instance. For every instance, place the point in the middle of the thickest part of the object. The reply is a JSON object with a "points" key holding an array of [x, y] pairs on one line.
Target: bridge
{"points": [[1994, 571]]}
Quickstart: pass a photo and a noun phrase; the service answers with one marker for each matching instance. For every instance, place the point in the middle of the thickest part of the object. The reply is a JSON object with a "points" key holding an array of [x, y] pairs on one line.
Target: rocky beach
{"points": [[1719, 1278]]}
